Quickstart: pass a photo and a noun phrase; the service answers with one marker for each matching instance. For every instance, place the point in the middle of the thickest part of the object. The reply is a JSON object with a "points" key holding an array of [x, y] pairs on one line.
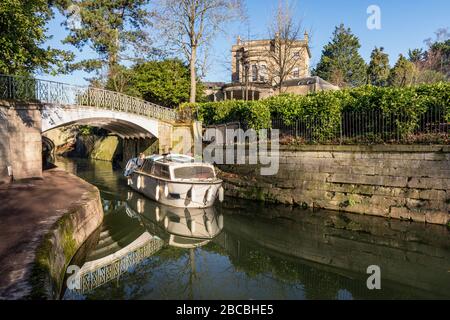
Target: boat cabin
{"points": [[177, 167]]}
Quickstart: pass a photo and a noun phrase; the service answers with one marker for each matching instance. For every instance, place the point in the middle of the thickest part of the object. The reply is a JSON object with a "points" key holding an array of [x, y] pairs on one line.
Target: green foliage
{"points": [[164, 82], [256, 114], [403, 74], [322, 111], [341, 63], [378, 70], [110, 28], [22, 34]]}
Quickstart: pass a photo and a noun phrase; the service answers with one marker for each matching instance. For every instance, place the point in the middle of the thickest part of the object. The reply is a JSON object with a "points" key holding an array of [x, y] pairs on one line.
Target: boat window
{"points": [[147, 166], [161, 170], [194, 172]]}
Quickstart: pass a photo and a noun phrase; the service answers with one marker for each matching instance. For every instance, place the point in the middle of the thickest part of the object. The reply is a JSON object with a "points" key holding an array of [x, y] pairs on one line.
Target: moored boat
{"points": [[175, 180]]}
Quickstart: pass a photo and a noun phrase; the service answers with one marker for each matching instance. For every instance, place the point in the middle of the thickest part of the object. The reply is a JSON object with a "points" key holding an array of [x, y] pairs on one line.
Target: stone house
{"points": [[255, 74]]}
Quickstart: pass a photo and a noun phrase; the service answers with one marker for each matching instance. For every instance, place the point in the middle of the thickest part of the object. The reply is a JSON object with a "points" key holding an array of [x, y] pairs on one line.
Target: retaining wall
{"points": [[397, 181]]}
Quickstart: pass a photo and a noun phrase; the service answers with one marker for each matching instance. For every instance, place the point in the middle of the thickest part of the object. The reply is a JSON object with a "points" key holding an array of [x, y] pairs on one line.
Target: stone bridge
{"points": [[30, 107]]}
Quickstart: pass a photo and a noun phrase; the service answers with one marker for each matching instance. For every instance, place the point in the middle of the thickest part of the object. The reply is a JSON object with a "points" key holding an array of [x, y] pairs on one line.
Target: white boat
{"points": [[175, 180]]}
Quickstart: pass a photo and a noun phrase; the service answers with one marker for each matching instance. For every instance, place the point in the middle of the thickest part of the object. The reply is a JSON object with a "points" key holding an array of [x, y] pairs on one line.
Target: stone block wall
{"points": [[402, 182], [20, 141]]}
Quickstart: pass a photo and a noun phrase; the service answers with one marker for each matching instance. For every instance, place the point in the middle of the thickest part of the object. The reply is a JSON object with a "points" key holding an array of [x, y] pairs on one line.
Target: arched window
{"points": [[296, 73]]}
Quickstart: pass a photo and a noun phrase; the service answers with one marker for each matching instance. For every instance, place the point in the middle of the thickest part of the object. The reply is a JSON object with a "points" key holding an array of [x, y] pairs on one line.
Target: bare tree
{"points": [[286, 52], [188, 26]]}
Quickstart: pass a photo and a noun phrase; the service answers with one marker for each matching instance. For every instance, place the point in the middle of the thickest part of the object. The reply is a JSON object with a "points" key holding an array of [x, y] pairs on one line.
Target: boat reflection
{"points": [[179, 227]]}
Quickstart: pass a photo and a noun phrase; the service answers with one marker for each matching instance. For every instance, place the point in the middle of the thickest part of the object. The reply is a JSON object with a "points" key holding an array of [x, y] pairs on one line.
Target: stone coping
{"points": [[370, 148], [363, 148]]}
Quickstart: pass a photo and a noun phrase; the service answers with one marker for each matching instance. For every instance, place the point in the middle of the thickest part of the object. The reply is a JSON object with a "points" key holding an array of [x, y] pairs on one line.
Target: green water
{"points": [[244, 250]]}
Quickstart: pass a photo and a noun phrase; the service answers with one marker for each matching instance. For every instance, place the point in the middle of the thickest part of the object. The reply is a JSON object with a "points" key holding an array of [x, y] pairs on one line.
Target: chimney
{"points": [[238, 40], [306, 36]]}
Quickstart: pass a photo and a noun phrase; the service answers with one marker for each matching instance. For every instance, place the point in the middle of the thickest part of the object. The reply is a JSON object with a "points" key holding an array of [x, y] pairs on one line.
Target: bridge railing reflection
{"points": [[96, 273]]}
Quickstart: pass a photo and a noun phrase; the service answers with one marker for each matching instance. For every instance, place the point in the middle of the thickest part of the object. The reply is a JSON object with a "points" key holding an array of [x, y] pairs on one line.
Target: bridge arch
{"points": [[125, 125]]}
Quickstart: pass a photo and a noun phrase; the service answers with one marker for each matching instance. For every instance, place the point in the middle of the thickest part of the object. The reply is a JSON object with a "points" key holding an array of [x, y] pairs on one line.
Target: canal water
{"points": [[245, 250]]}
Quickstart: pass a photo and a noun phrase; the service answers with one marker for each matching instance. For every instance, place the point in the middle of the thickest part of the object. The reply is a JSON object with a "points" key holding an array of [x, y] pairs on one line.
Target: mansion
{"points": [[255, 71]]}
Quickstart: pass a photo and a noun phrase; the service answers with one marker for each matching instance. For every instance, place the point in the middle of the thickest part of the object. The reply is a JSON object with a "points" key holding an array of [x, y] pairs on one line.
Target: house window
{"points": [[254, 73], [262, 73], [296, 73]]}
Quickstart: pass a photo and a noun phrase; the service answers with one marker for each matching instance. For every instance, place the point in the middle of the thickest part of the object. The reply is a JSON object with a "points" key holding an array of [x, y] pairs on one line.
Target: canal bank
{"points": [[407, 182], [44, 222]]}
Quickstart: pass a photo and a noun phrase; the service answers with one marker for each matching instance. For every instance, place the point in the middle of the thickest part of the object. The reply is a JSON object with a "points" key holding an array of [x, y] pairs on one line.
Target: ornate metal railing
{"points": [[51, 92], [106, 272]]}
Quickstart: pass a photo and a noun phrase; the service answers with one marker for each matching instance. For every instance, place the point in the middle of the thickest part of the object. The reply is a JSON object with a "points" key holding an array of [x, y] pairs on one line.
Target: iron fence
{"points": [[372, 126], [358, 127], [51, 92]]}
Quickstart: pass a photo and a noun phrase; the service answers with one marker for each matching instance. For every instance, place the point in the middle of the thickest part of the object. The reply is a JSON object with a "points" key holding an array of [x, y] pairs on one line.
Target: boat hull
{"points": [[175, 193]]}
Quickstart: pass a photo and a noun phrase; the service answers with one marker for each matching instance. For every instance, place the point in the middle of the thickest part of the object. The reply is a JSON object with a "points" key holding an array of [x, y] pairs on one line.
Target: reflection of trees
{"points": [[256, 262], [315, 281]]}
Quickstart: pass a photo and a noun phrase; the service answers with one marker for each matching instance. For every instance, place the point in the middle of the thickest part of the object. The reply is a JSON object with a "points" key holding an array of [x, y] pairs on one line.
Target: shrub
{"points": [[401, 108]]}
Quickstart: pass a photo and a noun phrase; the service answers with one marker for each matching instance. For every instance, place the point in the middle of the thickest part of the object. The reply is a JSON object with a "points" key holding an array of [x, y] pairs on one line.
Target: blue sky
{"points": [[404, 25]]}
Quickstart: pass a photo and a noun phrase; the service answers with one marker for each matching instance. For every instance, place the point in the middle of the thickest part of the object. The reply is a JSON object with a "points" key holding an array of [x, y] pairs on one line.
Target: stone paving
{"points": [[28, 210]]}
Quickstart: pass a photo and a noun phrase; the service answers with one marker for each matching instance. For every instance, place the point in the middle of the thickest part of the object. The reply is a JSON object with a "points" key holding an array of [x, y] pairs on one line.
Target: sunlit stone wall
{"points": [[403, 182], [20, 141]]}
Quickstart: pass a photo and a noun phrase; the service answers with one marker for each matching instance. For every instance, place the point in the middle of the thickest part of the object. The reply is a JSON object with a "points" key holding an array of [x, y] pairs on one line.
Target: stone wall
{"points": [[20, 141], [402, 182], [107, 148], [60, 244]]}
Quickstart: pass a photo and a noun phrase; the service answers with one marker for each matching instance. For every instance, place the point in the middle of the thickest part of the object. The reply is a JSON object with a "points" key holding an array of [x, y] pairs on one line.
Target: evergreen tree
{"points": [[416, 55], [111, 28], [341, 63], [404, 73], [22, 34], [378, 70]]}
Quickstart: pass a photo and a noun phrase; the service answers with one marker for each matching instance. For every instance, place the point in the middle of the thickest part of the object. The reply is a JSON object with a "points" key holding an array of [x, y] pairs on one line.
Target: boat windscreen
{"points": [[194, 172]]}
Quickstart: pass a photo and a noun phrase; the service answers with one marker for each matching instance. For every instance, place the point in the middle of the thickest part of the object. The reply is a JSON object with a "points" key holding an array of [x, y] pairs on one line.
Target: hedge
{"points": [[407, 102]]}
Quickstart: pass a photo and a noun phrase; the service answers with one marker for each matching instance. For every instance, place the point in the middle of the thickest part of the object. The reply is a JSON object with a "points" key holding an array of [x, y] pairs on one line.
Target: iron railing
{"points": [[357, 127], [372, 126], [58, 93]]}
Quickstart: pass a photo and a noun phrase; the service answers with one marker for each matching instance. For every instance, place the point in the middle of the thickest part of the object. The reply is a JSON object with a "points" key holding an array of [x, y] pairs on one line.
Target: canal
{"points": [[245, 250]]}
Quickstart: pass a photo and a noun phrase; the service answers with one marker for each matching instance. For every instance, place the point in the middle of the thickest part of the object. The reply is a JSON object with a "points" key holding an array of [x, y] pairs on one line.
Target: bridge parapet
{"points": [[58, 93]]}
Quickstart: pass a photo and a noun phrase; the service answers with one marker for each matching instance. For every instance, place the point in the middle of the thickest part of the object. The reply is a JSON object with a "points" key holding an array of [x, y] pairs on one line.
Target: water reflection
{"points": [[242, 250], [136, 230], [179, 227]]}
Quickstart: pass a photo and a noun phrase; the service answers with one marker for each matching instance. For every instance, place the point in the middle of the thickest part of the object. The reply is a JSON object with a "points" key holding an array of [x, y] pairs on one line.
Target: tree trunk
{"points": [[192, 96]]}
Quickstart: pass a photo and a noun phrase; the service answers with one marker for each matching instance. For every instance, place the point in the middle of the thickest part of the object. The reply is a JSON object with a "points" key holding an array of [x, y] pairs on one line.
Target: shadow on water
{"points": [[244, 250]]}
